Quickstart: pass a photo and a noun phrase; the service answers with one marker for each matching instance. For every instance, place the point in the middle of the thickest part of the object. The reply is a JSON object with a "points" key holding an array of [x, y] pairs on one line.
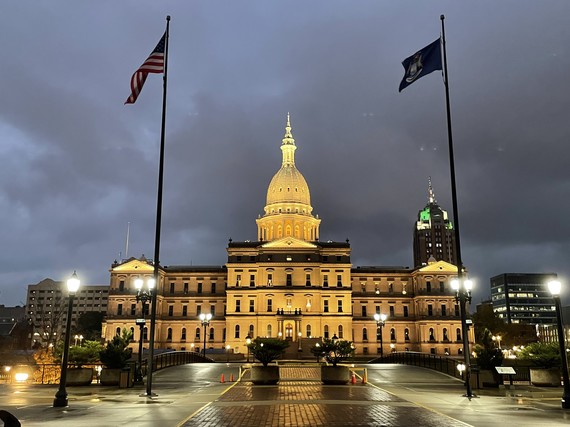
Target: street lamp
{"points": [[462, 288], [498, 339], [380, 321], [61, 395], [144, 295], [228, 353], [318, 346], [247, 343], [205, 319], [555, 286], [299, 334]]}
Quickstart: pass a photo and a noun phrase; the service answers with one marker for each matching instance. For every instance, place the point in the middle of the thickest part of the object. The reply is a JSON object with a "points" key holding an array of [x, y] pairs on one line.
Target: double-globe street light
{"points": [[462, 287], [61, 395], [205, 319], [144, 295], [554, 287], [380, 322], [247, 343]]}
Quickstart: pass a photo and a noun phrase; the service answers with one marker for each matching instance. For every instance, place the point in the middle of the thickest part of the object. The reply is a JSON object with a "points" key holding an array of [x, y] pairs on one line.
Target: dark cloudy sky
{"points": [[78, 165]]}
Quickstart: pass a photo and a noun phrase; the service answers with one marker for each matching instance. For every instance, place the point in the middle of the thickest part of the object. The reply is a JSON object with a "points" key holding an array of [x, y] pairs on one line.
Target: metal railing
{"points": [[443, 364], [173, 358]]}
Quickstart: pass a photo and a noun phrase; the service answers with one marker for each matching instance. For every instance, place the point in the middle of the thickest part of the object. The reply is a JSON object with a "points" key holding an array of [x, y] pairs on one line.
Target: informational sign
{"points": [[505, 370]]}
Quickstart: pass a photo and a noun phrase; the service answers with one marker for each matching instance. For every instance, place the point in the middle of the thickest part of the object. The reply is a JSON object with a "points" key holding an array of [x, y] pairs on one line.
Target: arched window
{"points": [[183, 334], [132, 331], [118, 332], [197, 334], [211, 337], [445, 336], [145, 334], [326, 331], [392, 334], [308, 331], [269, 330], [431, 335], [251, 331], [224, 334], [458, 334], [340, 332], [364, 334], [407, 334], [169, 334], [236, 334]]}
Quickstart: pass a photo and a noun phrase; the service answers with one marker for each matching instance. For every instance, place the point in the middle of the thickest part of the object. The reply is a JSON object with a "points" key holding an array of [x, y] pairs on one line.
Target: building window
{"points": [[364, 334], [197, 334], [133, 309], [119, 309], [198, 310], [251, 306], [289, 279], [406, 334], [269, 279], [363, 311], [457, 310], [186, 288], [428, 286], [121, 286], [340, 332], [308, 279], [326, 331], [430, 310], [441, 287], [199, 288], [443, 310], [251, 331], [458, 334], [170, 310], [406, 314], [269, 330], [238, 306], [339, 280], [224, 334], [145, 334], [117, 332], [211, 337], [213, 288], [269, 305], [213, 310], [339, 306], [445, 336], [431, 335], [238, 280], [169, 334], [326, 306], [172, 288], [183, 334], [392, 334], [184, 310], [252, 280], [392, 311], [236, 332], [308, 331], [325, 280]]}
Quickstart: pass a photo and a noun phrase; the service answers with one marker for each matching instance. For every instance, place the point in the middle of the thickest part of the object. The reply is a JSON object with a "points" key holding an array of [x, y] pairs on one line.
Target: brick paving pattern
{"points": [[295, 404]]}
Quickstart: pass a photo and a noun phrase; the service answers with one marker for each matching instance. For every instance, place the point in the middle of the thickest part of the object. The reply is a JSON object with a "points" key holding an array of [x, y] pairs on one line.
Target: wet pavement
{"points": [[193, 395]]}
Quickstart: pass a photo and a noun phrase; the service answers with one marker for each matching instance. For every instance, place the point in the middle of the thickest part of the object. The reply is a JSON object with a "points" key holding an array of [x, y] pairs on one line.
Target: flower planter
{"points": [[335, 375], [264, 375], [110, 376], [545, 377], [79, 376]]}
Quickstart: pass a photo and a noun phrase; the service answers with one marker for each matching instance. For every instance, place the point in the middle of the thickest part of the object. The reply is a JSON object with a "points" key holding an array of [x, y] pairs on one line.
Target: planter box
{"points": [[488, 378], [264, 375], [79, 376], [335, 375], [110, 376], [545, 377]]}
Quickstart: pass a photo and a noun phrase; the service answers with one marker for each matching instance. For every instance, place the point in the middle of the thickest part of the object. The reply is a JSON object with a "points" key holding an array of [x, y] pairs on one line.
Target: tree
{"points": [[542, 355], [266, 350], [487, 355], [89, 325], [117, 352], [334, 351]]}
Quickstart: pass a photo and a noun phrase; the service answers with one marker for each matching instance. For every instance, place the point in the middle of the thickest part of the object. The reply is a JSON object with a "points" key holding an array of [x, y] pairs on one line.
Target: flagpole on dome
{"points": [[150, 360], [460, 268]]}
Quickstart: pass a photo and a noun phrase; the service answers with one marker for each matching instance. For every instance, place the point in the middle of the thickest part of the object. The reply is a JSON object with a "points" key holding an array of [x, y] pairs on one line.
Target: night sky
{"points": [[78, 165]]}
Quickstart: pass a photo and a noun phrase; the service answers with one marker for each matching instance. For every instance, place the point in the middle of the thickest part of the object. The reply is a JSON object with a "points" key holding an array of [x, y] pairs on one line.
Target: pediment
{"points": [[288, 242], [439, 267], [135, 264]]}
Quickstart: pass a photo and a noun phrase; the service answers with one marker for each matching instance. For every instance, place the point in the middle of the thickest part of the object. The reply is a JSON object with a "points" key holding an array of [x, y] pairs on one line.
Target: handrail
{"points": [[443, 364], [173, 358]]}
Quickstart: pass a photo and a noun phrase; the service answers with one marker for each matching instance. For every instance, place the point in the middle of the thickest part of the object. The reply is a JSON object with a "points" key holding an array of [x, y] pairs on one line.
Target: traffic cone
{"points": [[353, 380], [232, 378], [364, 377], [222, 380]]}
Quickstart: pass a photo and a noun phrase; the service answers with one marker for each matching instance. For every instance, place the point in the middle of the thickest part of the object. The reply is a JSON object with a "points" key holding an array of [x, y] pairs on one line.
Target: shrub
{"points": [[486, 354], [334, 351], [544, 355], [117, 352], [266, 350], [87, 353]]}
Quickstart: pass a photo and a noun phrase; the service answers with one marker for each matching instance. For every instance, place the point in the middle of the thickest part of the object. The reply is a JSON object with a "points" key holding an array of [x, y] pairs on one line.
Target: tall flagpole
{"points": [[462, 295], [150, 361]]}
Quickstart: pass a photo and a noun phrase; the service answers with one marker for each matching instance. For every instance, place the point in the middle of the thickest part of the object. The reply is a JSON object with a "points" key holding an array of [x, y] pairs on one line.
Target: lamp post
{"points": [[554, 286], [380, 321], [61, 395], [317, 345], [205, 319], [299, 334], [498, 339], [144, 295], [247, 343], [228, 353], [462, 288], [78, 337]]}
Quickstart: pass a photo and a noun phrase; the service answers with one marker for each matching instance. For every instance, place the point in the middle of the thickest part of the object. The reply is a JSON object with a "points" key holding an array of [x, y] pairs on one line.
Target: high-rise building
{"points": [[46, 308], [523, 298], [434, 236], [292, 285]]}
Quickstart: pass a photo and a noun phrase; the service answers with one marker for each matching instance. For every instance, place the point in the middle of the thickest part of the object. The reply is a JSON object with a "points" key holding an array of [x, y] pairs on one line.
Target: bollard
{"points": [[222, 379]]}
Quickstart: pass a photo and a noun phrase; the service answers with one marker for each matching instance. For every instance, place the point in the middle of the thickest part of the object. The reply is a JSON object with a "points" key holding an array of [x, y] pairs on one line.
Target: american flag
{"points": [[153, 64]]}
